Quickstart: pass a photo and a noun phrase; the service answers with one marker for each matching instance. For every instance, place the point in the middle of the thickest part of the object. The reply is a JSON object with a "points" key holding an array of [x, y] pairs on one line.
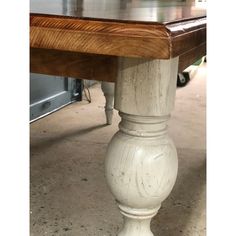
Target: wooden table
{"points": [[141, 46]]}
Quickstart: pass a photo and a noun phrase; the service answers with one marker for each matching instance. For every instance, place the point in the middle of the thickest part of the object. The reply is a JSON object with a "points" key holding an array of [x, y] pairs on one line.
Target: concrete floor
{"points": [[69, 195]]}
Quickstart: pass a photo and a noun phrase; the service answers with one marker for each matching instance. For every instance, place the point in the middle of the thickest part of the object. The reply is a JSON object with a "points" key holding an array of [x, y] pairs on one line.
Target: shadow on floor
{"points": [[47, 142]]}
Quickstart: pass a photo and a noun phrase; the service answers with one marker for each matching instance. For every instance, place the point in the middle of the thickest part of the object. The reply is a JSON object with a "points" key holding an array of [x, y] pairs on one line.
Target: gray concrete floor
{"points": [[69, 195]]}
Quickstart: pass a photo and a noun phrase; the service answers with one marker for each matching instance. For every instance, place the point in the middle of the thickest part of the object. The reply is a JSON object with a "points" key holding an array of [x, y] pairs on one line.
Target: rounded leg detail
{"points": [[141, 168], [108, 90]]}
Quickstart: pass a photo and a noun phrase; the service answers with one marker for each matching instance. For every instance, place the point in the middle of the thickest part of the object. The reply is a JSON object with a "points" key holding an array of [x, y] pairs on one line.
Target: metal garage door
{"points": [[49, 93]]}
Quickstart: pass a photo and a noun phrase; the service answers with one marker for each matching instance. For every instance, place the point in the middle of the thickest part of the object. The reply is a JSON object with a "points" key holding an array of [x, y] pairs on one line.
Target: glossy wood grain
{"points": [[116, 38], [107, 38]]}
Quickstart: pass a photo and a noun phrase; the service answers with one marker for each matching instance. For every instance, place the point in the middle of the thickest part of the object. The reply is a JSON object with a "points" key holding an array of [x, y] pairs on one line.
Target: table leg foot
{"points": [[108, 91], [134, 227]]}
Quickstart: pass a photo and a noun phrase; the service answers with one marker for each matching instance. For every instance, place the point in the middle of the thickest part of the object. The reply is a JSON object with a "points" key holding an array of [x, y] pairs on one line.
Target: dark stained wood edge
{"points": [[191, 56], [116, 38], [186, 36], [186, 26], [72, 64]]}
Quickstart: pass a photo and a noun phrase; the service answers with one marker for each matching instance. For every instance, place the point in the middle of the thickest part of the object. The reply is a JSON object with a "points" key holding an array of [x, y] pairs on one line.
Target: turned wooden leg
{"points": [[141, 161], [108, 91]]}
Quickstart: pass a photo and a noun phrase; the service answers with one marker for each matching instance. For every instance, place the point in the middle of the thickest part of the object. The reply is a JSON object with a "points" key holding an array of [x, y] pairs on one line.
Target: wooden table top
{"points": [[138, 28], [83, 39]]}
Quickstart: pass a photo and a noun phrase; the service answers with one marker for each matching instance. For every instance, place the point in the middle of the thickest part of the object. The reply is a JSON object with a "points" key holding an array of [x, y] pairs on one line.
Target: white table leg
{"points": [[141, 161], [108, 90]]}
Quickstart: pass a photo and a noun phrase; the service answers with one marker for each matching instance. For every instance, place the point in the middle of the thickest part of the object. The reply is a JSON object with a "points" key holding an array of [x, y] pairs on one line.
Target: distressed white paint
{"points": [[141, 161], [108, 91], [146, 87]]}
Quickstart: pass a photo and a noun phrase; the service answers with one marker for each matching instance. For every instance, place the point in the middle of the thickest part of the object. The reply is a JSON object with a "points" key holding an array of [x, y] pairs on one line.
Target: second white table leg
{"points": [[108, 91]]}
